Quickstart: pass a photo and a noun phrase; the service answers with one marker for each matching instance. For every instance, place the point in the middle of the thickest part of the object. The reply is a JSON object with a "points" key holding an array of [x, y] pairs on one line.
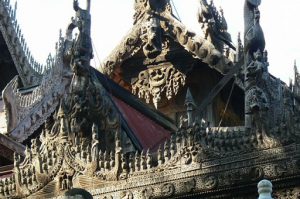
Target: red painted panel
{"points": [[149, 133]]}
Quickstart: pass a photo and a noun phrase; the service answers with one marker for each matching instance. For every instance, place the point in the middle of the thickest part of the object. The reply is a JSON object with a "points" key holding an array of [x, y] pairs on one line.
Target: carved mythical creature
{"points": [[253, 73], [253, 34], [143, 7], [256, 72], [152, 37], [214, 25], [256, 98], [82, 51]]}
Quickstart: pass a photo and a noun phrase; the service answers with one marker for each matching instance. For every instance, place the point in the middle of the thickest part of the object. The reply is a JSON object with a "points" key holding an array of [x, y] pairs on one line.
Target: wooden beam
{"points": [[220, 85]]}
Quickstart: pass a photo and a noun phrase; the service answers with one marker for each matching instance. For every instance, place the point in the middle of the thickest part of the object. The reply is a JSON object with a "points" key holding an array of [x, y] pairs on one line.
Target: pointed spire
{"points": [[189, 98], [290, 83], [149, 159], [159, 156], [112, 160], [239, 48], [131, 163], [14, 12], [296, 73], [190, 106], [137, 161], [61, 110]]}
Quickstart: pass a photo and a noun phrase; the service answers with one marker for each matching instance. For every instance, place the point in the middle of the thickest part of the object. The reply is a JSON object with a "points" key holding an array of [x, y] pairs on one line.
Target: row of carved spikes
{"points": [[28, 178], [106, 161], [137, 162], [229, 140], [22, 50], [7, 186], [45, 162], [146, 160], [17, 37], [30, 99], [215, 11]]}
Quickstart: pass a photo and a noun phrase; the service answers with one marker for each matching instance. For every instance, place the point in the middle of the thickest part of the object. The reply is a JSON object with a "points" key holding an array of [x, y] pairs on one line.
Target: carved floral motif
{"points": [[167, 190], [154, 83], [147, 193]]}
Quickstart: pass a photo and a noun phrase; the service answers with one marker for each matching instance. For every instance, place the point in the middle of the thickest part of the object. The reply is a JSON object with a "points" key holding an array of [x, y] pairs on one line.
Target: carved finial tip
{"points": [[189, 98]]}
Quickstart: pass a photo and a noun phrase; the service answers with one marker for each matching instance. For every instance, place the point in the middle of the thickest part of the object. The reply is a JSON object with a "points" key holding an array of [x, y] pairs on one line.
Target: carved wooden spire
{"points": [[190, 106]]}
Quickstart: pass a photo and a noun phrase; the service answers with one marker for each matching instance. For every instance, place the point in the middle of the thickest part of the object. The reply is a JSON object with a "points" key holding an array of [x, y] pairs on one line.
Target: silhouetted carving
{"points": [[214, 25], [253, 34]]}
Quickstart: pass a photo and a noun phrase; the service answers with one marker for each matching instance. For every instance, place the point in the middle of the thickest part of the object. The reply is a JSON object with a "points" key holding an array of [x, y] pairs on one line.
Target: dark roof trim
{"points": [[131, 100], [12, 145]]}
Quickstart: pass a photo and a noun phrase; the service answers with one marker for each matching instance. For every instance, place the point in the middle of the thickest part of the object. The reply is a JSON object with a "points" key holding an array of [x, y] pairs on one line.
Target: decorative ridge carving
{"points": [[69, 153], [197, 45], [145, 7], [128, 47], [34, 107], [214, 25], [30, 71], [189, 162]]}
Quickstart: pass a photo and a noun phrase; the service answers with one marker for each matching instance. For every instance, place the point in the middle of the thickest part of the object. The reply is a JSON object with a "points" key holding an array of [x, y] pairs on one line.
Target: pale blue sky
{"points": [[41, 20]]}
